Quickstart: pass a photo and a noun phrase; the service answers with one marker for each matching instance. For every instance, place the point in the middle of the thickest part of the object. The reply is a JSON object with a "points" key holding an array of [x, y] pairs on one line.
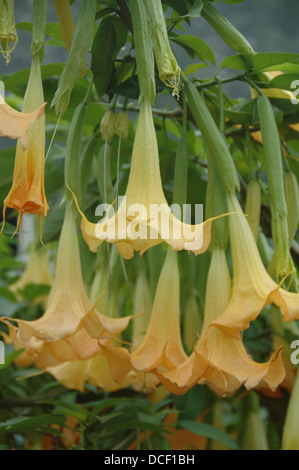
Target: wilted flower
{"points": [[8, 32]]}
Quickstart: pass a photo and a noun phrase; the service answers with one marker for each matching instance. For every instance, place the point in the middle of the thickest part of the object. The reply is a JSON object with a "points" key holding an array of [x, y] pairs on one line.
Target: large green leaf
{"points": [[195, 47], [103, 54], [285, 81], [258, 62]]}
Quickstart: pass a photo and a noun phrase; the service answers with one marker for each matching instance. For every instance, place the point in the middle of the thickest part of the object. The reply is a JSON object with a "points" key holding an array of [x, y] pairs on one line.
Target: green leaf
{"points": [[53, 224], [258, 62], [234, 62], [32, 291], [195, 47], [193, 68], [52, 29], [130, 87], [195, 11], [267, 59], [178, 5], [22, 77], [284, 81], [38, 423], [103, 54], [203, 429], [7, 294]]}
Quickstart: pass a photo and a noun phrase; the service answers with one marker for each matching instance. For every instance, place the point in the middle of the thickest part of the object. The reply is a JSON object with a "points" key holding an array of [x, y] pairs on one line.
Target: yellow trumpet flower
{"points": [[161, 347], [144, 218], [219, 360], [27, 194], [253, 288], [14, 124], [68, 304]]}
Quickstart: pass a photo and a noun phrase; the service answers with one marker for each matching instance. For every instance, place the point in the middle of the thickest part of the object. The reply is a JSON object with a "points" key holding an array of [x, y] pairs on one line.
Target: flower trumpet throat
{"points": [[27, 194], [144, 218]]}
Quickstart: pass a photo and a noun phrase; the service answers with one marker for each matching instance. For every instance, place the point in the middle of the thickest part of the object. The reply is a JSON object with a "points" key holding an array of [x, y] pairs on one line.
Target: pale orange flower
{"points": [[27, 194]]}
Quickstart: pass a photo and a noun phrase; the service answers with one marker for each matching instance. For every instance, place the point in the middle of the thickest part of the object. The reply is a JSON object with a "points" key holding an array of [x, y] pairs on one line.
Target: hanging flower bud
{"points": [[255, 436], [253, 206], [8, 32], [291, 191], [122, 125], [108, 124]]}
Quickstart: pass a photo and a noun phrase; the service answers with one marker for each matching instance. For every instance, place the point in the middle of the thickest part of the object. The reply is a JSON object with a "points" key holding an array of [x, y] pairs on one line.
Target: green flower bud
{"points": [[108, 124], [122, 125]]}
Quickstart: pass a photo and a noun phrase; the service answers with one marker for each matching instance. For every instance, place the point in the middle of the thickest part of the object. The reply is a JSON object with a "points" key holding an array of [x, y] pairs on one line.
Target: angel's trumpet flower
{"points": [[218, 359], [68, 304], [161, 347], [253, 288], [144, 218], [27, 194]]}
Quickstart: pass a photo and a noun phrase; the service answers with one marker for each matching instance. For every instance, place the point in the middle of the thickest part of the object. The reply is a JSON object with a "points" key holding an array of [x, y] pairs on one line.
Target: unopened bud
{"points": [[122, 125], [108, 123]]}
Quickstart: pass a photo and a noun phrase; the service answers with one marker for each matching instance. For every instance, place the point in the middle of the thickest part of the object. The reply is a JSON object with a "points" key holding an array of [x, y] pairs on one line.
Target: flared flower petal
{"points": [[219, 360], [253, 288], [144, 218], [161, 347], [62, 325], [109, 370], [14, 124]]}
